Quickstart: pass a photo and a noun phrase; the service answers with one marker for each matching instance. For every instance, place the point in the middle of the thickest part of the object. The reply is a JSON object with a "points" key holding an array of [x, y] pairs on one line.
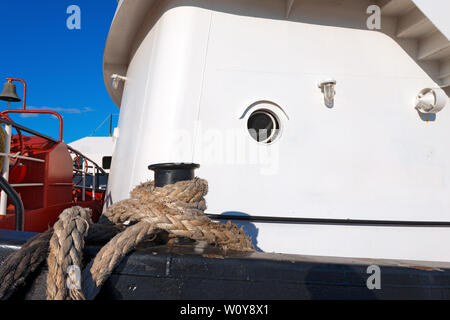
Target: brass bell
{"points": [[9, 93]]}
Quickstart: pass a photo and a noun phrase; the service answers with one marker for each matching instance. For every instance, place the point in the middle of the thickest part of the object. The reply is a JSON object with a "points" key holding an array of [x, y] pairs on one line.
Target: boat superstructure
{"points": [[351, 95], [99, 149]]}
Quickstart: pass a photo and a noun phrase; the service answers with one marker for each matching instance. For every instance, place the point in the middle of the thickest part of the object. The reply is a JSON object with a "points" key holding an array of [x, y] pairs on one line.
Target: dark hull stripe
{"points": [[321, 221]]}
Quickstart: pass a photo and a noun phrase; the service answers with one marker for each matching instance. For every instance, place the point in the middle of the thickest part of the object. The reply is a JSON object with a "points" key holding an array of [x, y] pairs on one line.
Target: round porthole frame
{"points": [[273, 110]]}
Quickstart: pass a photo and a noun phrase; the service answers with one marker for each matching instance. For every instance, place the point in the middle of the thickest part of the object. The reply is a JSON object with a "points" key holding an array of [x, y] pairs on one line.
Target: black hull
{"points": [[182, 272]]}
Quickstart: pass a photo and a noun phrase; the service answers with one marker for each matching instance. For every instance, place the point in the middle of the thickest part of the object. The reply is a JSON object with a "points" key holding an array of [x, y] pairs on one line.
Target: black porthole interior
{"points": [[263, 126]]}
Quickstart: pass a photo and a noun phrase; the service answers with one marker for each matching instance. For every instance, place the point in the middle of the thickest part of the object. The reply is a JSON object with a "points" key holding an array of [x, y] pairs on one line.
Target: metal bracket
{"points": [[289, 5]]}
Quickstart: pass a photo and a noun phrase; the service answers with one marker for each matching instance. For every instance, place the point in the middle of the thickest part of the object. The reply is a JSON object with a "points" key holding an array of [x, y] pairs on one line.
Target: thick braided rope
{"points": [[18, 265], [66, 249], [178, 209], [98, 270]]}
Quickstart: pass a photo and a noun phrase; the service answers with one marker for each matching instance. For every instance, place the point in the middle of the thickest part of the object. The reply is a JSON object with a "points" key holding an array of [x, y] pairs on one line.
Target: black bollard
{"points": [[170, 173]]}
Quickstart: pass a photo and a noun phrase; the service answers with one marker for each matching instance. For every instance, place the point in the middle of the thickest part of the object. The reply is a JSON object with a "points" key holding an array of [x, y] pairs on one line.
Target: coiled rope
{"points": [[177, 208]]}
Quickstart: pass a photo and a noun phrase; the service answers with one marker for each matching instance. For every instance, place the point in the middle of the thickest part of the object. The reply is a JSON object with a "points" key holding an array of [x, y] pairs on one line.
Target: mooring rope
{"points": [[177, 208], [19, 264], [66, 249]]}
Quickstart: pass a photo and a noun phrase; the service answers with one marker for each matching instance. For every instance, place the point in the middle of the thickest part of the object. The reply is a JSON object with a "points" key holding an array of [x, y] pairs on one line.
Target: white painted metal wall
{"points": [[371, 156], [437, 11]]}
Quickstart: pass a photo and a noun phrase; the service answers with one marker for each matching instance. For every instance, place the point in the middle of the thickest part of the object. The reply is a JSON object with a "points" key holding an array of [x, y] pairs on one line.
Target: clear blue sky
{"points": [[62, 67]]}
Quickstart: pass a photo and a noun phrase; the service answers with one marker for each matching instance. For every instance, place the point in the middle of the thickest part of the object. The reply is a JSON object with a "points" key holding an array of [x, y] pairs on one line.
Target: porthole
{"points": [[263, 126]]}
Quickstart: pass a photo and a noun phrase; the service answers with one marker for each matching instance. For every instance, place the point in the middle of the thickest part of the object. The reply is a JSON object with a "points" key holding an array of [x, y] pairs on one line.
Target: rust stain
{"points": [[425, 268], [213, 256]]}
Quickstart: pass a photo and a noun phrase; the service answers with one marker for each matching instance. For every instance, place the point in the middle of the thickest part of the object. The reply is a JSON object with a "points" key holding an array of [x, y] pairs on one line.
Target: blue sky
{"points": [[62, 67]]}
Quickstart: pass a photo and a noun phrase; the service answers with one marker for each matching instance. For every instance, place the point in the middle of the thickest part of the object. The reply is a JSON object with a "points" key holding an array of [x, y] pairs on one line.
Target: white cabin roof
{"points": [[131, 16], [94, 148]]}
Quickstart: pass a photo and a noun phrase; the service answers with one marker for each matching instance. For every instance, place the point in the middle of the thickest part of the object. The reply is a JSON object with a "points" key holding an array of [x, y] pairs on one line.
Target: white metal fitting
{"points": [[431, 100], [116, 79], [328, 89]]}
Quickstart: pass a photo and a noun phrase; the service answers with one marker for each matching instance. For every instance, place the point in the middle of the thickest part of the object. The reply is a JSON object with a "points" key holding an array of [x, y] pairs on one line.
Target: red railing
{"points": [[5, 113]]}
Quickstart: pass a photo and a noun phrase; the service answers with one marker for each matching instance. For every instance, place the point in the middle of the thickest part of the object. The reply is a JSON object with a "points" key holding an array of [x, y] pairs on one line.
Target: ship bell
{"points": [[9, 93]]}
